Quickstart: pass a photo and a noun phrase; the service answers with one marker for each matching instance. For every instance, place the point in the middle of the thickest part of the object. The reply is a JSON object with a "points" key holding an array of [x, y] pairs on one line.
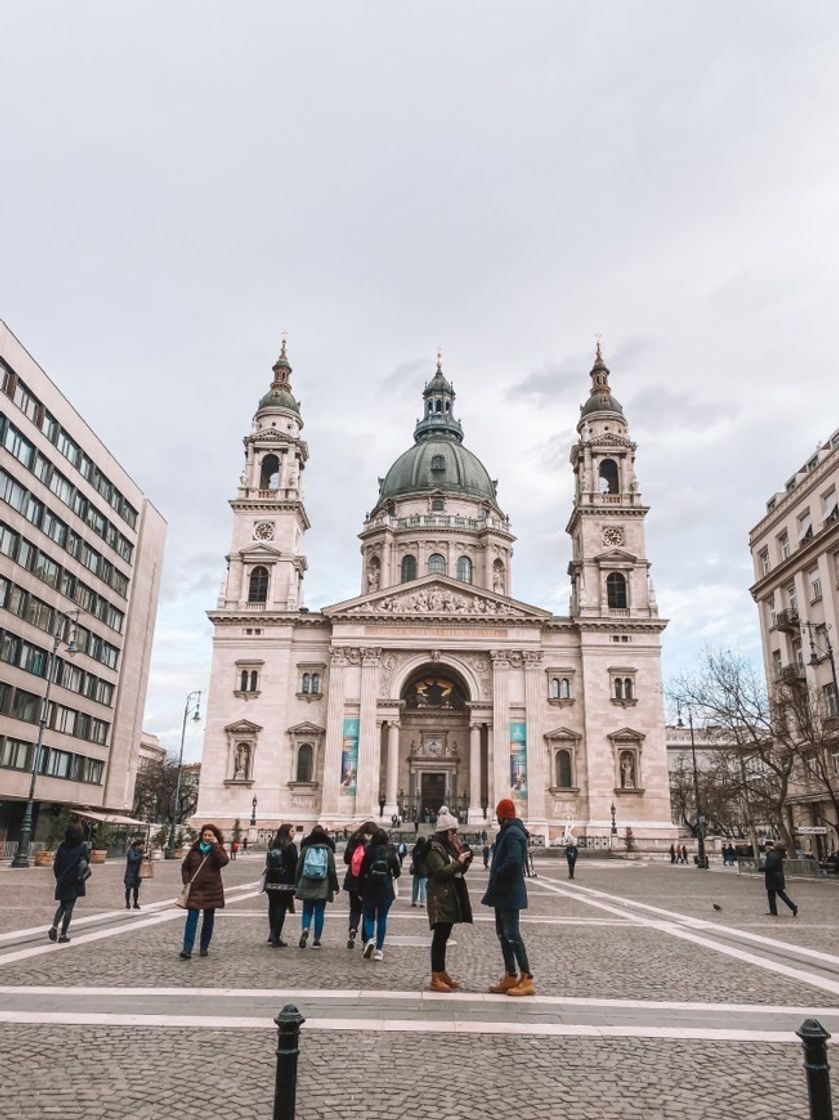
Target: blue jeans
{"points": [[318, 909], [419, 889], [375, 910], [206, 929], [512, 946]]}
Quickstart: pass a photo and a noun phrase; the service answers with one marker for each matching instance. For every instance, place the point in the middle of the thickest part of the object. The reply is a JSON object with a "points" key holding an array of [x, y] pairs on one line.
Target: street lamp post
{"points": [[702, 859], [253, 812], [192, 698], [21, 858], [614, 828]]}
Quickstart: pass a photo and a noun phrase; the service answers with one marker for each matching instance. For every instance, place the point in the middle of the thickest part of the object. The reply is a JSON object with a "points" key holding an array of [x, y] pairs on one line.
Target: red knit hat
{"points": [[505, 810]]}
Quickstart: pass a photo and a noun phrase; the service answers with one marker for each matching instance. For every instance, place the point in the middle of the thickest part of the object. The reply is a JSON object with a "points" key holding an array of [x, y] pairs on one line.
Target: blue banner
{"points": [[518, 760], [349, 756]]}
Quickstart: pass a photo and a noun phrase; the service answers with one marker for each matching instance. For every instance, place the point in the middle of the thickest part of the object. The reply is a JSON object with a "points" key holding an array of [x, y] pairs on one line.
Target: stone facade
{"points": [[435, 685]]}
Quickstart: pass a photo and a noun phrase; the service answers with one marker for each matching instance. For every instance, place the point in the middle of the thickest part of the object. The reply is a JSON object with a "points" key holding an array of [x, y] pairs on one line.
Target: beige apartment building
{"points": [[795, 551], [434, 684], [81, 550]]}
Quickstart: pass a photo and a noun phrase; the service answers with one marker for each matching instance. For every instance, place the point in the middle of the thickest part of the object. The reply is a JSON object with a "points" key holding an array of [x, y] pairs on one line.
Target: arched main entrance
{"points": [[434, 743]]}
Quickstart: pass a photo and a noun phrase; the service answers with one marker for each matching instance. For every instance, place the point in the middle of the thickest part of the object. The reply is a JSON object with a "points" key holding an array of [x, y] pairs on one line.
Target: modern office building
{"points": [[81, 550], [435, 684], [795, 551]]}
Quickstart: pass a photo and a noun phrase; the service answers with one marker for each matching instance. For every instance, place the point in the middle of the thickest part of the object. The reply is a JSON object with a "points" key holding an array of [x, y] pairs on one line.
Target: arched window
{"points": [[437, 505], [608, 476], [269, 475], [436, 564], [563, 769], [554, 688], [307, 683], [627, 688], [258, 585], [305, 762], [315, 682], [464, 569], [618, 688], [438, 463], [565, 689], [616, 589], [409, 568], [254, 681], [244, 681]]}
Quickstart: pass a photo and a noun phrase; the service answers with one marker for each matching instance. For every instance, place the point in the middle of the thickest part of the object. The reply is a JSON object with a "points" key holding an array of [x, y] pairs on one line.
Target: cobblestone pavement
{"points": [[629, 950]]}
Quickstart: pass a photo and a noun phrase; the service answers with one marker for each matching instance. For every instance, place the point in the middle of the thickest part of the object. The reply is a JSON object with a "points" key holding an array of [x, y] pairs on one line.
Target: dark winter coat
{"points": [[350, 880], [207, 892], [506, 890], [133, 859], [447, 899], [774, 870], [317, 890], [370, 889], [281, 867], [571, 853], [67, 865]]}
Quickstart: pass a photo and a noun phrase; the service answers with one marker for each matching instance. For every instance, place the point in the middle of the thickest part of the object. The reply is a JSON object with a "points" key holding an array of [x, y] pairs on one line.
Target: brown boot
{"points": [[504, 984], [524, 987], [438, 983], [453, 984]]}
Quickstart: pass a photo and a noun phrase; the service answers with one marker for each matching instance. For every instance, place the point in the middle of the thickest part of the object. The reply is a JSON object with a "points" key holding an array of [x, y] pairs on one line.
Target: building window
{"points": [[777, 664], [616, 590], [438, 463], [815, 588], [249, 680], [783, 546], [805, 527], [763, 561], [464, 569], [437, 505], [269, 476], [563, 770], [409, 568], [436, 564], [305, 762], [258, 585], [623, 686], [831, 701], [608, 473]]}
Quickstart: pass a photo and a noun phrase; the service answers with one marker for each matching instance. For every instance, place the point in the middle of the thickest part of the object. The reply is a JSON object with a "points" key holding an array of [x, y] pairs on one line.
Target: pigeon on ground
{"points": [[716, 907]]}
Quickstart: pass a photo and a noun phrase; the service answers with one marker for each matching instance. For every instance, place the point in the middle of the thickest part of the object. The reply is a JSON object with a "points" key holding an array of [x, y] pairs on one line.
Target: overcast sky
{"points": [[184, 181]]}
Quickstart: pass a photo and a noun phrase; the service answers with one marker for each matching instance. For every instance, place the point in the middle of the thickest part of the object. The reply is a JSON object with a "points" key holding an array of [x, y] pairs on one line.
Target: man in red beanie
{"points": [[508, 895]]}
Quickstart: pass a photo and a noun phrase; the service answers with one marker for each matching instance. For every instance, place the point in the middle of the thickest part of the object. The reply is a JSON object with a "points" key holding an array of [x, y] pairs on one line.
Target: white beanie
{"points": [[445, 820]]}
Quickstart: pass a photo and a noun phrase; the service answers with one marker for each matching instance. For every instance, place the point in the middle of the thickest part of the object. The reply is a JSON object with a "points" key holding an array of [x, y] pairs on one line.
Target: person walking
{"points": [[571, 853], [683, 854], [353, 855], [419, 878], [71, 868], [131, 879], [202, 867], [280, 875], [485, 852], [672, 853], [507, 894], [316, 881], [380, 866], [234, 849], [774, 877], [446, 863]]}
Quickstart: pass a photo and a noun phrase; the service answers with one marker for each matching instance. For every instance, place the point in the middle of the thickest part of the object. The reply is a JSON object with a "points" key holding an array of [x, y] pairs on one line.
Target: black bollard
{"points": [[289, 1021], [814, 1040]]}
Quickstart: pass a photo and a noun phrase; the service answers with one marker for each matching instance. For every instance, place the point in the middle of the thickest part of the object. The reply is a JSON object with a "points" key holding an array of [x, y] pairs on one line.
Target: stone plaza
{"points": [[651, 1003]]}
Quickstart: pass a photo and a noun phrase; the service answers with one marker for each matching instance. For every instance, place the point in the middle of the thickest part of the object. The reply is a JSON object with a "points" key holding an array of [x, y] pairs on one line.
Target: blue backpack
{"points": [[315, 863]]}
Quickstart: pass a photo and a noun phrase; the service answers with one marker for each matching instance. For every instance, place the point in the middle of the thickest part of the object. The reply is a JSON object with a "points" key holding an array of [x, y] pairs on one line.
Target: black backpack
{"points": [[380, 873]]}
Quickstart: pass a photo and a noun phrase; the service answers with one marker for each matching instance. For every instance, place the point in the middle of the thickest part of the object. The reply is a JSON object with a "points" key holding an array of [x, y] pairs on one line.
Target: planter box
{"points": [[98, 855], [44, 859]]}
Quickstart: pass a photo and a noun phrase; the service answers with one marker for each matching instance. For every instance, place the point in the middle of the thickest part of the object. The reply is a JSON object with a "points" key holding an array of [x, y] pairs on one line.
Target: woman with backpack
{"points": [[379, 868], [446, 862], [280, 875], [353, 855], [316, 881], [71, 868]]}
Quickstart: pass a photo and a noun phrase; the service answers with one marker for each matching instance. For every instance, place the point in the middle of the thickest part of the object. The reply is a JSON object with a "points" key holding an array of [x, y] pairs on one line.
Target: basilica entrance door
{"points": [[432, 792]]}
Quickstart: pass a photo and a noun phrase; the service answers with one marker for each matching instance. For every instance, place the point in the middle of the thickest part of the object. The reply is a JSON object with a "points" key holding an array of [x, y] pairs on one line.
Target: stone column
{"points": [[369, 743], [534, 680], [499, 768], [392, 768], [475, 815], [334, 734]]}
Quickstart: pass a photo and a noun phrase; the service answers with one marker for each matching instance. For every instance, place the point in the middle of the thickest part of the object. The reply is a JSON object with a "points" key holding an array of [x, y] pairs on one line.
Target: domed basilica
{"points": [[435, 685]]}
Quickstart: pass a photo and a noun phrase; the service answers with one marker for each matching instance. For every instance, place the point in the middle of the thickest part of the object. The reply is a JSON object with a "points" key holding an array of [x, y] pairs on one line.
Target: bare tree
{"points": [[805, 725], [154, 792]]}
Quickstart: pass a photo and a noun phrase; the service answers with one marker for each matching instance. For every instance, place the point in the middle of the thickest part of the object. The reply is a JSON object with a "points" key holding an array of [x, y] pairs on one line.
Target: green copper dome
{"points": [[601, 399], [280, 395], [438, 460]]}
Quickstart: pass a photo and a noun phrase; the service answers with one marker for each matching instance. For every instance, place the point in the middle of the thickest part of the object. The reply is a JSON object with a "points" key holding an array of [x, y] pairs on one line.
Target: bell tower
{"points": [[609, 569], [266, 564]]}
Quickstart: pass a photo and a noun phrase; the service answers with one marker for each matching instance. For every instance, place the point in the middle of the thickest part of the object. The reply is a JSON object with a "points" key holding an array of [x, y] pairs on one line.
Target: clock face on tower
{"points": [[613, 536], [263, 531]]}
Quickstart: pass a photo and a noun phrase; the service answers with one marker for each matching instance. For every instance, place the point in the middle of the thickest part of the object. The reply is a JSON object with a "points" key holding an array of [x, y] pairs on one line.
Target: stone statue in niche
{"points": [[627, 770], [498, 581], [373, 578], [243, 754]]}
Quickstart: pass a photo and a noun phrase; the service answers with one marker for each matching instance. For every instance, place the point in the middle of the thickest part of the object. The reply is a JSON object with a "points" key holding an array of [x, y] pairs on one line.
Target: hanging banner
{"points": [[349, 756], [518, 760]]}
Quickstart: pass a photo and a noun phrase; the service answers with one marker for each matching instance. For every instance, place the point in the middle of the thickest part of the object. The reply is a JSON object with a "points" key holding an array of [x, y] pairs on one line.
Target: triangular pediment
{"points": [[615, 556], [306, 728], [563, 733], [258, 550], [627, 735], [243, 727], [438, 597]]}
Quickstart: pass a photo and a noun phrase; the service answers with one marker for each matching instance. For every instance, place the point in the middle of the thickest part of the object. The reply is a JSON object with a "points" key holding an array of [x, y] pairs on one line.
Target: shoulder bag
{"points": [[183, 898]]}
